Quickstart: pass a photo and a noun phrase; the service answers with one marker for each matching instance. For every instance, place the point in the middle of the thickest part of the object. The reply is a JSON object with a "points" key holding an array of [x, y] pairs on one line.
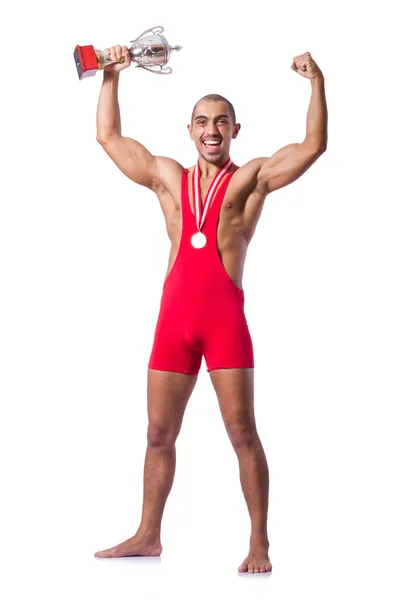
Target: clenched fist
{"points": [[305, 66], [119, 53]]}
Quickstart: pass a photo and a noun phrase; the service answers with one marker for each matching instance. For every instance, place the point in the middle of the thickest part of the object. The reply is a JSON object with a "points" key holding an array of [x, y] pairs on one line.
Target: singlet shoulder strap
{"points": [[185, 193], [184, 186], [221, 191]]}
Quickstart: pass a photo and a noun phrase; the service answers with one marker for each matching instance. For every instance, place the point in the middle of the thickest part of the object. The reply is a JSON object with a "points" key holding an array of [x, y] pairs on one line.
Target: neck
{"points": [[210, 170]]}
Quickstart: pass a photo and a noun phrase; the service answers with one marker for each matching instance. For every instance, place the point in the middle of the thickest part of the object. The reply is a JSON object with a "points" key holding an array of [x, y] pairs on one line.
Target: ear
{"points": [[190, 130], [237, 128]]}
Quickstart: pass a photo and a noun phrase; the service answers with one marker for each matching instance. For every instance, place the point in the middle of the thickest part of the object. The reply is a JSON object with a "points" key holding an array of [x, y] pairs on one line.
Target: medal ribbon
{"points": [[200, 218]]}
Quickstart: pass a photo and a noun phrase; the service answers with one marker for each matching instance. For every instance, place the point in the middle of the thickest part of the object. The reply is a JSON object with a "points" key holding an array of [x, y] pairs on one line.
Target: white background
{"points": [[83, 254]]}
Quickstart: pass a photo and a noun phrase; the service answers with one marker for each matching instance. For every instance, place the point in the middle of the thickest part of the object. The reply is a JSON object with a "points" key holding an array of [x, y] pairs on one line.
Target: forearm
{"points": [[108, 111], [317, 115]]}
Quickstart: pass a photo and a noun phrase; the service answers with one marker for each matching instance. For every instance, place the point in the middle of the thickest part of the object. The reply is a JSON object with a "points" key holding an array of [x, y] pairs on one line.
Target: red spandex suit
{"points": [[202, 309]]}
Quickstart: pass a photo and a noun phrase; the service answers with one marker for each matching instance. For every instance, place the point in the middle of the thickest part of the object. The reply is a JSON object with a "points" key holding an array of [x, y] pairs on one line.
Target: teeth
{"points": [[208, 143]]}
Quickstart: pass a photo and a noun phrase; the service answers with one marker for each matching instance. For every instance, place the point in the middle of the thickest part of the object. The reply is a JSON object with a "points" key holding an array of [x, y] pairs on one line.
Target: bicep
{"points": [[133, 159], [288, 164]]}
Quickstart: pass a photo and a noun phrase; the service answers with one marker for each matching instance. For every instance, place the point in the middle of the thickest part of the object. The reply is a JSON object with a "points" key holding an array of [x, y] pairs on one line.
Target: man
{"points": [[211, 211]]}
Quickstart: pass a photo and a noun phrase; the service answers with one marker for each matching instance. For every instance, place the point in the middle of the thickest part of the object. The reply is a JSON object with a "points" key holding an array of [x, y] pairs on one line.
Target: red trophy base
{"points": [[86, 61]]}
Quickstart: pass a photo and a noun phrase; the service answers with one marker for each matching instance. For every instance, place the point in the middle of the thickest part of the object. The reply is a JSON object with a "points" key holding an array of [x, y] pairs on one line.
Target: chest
{"points": [[225, 205]]}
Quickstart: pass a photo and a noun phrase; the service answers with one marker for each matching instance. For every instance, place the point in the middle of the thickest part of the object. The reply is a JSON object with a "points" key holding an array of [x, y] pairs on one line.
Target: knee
{"points": [[242, 435], [160, 435]]}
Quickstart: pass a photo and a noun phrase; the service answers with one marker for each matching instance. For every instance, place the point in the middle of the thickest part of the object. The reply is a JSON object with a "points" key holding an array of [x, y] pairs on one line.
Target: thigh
{"points": [[170, 350], [228, 343], [167, 396], [235, 392]]}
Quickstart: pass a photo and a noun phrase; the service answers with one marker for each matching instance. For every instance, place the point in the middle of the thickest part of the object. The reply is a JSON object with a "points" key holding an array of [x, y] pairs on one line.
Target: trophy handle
{"points": [[161, 71], [155, 30]]}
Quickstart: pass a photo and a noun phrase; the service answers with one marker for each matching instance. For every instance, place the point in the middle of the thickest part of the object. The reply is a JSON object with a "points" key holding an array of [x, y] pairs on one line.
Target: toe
{"points": [[243, 568], [105, 553], [257, 569], [251, 569]]}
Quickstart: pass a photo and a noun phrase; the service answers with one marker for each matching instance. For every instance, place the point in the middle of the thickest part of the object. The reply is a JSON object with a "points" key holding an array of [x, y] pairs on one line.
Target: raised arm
{"points": [[290, 162], [132, 158]]}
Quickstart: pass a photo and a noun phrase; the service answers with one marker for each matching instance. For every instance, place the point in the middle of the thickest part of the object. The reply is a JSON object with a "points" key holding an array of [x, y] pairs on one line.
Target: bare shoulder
{"points": [[252, 166], [246, 177], [249, 193], [169, 176]]}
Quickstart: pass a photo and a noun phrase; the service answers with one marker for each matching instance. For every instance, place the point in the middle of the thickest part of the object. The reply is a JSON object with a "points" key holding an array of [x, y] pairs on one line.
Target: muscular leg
{"points": [[235, 391], [168, 394]]}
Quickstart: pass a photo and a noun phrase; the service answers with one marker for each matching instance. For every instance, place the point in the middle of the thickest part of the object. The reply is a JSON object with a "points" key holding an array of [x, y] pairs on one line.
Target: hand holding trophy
{"points": [[151, 53], [117, 58]]}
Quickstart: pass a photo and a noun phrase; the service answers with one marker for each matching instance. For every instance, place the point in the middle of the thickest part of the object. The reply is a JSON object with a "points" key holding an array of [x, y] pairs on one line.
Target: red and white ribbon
{"points": [[200, 218]]}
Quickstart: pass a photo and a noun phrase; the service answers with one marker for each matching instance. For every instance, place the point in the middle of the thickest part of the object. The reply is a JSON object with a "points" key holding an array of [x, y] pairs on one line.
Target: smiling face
{"points": [[212, 130]]}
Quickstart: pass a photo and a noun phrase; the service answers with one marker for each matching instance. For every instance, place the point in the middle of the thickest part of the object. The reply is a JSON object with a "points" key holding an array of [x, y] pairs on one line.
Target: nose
{"points": [[212, 129]]}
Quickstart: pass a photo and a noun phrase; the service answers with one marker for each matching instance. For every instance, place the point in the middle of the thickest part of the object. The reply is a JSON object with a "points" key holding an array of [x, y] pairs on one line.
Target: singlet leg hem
{"points": [[184, 372], [232, 367]]}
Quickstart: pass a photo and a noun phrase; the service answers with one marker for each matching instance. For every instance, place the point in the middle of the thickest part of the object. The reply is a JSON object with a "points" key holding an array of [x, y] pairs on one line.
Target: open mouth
{"points": [[212, 144]]}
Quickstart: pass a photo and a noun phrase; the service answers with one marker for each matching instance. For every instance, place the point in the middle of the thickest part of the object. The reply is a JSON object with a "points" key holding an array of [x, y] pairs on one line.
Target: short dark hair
{"points": [[217, 98]]}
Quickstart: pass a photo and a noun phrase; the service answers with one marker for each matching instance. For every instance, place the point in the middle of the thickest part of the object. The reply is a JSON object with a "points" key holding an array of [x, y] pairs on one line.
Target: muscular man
{"points": [[211, 211]]}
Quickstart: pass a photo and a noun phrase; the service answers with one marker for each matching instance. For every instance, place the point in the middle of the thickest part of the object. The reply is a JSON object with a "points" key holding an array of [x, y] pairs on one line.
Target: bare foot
{"points": [[257, 561], [135, 546]]}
